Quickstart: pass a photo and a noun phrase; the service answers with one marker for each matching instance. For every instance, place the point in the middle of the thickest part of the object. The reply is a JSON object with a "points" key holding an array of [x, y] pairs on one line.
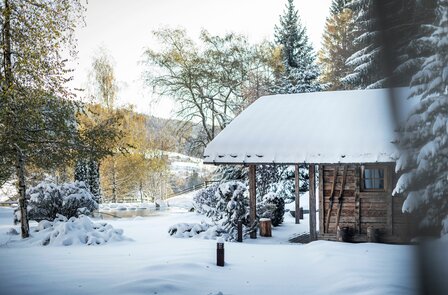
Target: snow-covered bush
{"points": [[225, 204], [272, 207], [205, 201], [198, 230], [232, 207], [47, 200], [74, 231]]}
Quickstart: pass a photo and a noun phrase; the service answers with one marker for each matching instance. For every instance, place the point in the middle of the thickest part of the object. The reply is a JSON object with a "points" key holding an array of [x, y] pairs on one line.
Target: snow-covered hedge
{"points": [[47, 200], [74, 231]]}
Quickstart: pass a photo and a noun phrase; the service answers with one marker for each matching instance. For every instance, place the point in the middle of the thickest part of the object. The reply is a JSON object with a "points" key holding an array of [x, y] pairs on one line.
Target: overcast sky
{"points": [[124, 28]]}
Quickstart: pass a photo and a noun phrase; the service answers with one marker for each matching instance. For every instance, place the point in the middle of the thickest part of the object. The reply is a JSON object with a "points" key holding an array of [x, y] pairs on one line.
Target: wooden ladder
{"points": [[340, 198]]}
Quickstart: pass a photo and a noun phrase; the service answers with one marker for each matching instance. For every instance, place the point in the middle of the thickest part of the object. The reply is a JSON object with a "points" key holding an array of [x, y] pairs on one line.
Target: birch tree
{"points": [[36, 124], [207, 80]]}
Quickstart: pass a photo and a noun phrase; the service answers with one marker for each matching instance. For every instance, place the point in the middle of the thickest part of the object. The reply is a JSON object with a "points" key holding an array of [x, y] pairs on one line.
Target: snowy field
{"points": [[153, 262]]}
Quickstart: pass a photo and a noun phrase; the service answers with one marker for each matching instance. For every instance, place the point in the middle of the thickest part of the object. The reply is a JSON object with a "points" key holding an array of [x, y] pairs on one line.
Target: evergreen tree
{"points": [[337, 45], [337, 6], [81, 170], [424, 140], [383, 33], [87, 171], [94, 179], [300, 71]]}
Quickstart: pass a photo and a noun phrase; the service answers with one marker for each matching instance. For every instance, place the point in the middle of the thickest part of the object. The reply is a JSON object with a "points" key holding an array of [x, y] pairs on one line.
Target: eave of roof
{"points": [[323, 127]]}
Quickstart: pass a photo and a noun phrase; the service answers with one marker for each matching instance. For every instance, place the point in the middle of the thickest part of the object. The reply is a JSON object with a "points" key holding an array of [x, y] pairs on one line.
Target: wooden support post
{"points": [[252, 201], [321, 200], [297, 188], [390, 202], [357, 200], [312, 193]]}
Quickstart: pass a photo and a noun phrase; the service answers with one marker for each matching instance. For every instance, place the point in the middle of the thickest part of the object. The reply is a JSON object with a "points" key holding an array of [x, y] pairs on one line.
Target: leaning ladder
{"points": [[331, 198]]}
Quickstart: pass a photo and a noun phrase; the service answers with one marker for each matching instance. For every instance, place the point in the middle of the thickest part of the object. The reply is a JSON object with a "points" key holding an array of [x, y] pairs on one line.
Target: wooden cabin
{"points": [[346, 138]]}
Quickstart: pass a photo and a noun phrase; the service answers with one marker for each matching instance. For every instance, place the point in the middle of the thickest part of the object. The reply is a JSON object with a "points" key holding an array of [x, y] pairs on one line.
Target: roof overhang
{"points": [[357, 126]]}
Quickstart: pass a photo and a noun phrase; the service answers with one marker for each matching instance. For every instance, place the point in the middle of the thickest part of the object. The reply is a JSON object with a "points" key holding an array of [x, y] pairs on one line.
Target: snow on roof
{"points": [[322, 127]]}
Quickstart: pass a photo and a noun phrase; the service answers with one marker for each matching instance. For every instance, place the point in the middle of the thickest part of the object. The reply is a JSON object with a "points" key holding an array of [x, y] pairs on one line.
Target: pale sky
{"points": [[124, 28]]}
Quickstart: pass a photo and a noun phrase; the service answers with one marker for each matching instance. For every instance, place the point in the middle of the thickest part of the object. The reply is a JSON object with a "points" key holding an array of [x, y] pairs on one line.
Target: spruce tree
{"points": [[337, 45], [383, 33], [424, 140], [300, 71]]}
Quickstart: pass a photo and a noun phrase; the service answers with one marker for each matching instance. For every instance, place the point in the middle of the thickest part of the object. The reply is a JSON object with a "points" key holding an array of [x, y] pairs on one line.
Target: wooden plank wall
{"points": [[348, 207], [361, 210]]}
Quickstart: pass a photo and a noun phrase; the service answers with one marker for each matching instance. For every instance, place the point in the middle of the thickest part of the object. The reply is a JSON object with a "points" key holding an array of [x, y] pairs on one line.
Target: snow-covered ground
{"points": [[152, 262]]}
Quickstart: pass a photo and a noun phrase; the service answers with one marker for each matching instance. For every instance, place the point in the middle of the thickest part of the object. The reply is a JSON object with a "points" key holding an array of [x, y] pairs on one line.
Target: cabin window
{"points": [[373, 178]]}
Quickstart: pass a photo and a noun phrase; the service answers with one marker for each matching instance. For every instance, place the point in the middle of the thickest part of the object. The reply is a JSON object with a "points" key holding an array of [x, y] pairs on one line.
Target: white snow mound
{"points": [[74, 231]]}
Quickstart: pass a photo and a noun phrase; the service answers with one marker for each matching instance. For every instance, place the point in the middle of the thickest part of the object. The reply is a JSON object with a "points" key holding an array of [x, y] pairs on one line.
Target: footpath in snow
{"points": [[149, 261]]}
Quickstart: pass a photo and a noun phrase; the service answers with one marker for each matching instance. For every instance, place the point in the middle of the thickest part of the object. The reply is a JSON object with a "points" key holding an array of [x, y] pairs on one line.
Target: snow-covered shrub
{"points": [[198, 230], [74, 231], [188, 230], [204, 202], [272, 207], [232, 207], [47, 200], [225, 204]]}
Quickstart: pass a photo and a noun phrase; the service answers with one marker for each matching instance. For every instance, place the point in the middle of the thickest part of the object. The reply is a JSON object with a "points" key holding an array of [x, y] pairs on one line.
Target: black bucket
{"points": [[343, 234], [373, 235]]}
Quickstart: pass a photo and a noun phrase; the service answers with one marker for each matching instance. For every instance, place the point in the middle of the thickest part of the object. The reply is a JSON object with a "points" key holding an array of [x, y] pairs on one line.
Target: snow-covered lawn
{"points": [[155, 263]]}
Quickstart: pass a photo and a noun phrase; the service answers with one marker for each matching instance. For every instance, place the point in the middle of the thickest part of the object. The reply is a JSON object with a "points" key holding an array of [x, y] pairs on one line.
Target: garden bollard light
{"points": [[220, 252], [240, 231]]}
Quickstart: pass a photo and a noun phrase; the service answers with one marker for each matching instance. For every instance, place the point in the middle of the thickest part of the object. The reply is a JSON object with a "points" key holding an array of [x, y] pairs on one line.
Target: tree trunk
{"points": [[22, 193], [114, 182], [7, 59], [141, 191]]}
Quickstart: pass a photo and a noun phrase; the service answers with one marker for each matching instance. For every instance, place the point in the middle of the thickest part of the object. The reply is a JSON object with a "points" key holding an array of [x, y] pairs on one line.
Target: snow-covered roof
{"points": [[322, 127]]}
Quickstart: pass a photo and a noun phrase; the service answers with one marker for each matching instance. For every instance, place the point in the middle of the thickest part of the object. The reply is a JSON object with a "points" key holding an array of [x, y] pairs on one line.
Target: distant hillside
{"points": [[175, 136]]}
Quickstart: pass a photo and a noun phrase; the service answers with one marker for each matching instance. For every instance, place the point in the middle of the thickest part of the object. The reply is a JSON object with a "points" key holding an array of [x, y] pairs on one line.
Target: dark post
{"points": [[220, 252], [312, 192], [252, 201], [297, 187], [301, 212], [240, 231]]}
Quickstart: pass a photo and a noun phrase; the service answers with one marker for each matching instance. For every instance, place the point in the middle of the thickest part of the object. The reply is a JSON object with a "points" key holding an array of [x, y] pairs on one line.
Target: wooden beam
{"points": [[321, 200], [312, 193], [252, 201], [390, 209], [357, 199], [297, 188]]}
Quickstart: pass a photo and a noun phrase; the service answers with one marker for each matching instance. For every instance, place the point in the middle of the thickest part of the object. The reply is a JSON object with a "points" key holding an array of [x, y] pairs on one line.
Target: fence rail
{"points": [[9, 203], [193, 188]]}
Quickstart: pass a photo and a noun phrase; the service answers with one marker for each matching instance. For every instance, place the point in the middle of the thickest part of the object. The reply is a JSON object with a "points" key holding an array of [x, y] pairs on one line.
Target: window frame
{"points": [[385, 168]]}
